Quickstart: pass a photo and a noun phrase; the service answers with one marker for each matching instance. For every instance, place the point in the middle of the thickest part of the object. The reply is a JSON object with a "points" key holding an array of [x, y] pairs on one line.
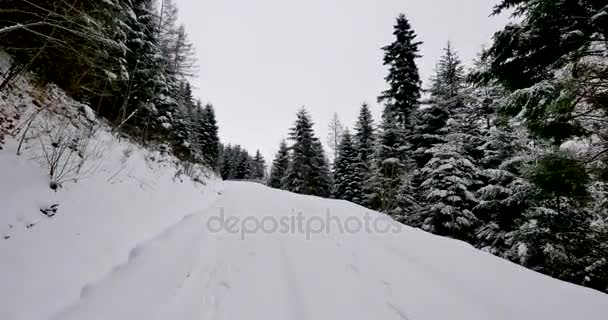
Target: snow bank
{"points": [[111, 197]]}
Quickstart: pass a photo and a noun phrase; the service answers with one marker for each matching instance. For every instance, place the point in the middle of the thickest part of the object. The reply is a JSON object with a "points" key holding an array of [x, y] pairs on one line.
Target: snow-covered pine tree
{"points": [[345, 186], [392, 155], [364, 134], [308, 171], [279, 168], [364, 145], [402, 97], [79, 47], [449, 176], [549, 61], [259, 167], [450, 179], [388, 166], [211, 145], [236, 163], [505, 195], [445, 99]]}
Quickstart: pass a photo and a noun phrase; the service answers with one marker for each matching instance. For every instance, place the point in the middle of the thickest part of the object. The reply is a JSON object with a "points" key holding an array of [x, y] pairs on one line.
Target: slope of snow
{"points": [[193, 271], [113, 196]]}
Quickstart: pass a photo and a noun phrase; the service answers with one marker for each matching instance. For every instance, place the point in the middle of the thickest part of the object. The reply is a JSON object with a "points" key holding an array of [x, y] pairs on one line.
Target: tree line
{"points": [[508, 155], [129, 60], [235, 163]]}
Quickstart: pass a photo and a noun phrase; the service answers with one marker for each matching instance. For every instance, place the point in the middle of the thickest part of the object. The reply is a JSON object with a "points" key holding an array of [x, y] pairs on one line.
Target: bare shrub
{"points": [[195, 172], [64, 149]]}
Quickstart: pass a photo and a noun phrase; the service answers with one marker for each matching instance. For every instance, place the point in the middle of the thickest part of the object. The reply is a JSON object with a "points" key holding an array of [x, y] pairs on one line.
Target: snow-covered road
{"points": [[193, 272]]}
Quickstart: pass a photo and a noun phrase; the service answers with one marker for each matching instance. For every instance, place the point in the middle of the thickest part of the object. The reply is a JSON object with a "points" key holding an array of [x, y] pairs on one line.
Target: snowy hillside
{"points": [[111, 195]]}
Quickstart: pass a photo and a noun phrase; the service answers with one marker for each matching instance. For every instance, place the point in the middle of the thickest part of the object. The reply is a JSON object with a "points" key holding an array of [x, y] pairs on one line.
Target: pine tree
{"points": [[448, 81], [449, 176], [364, 134], [392, 157], [505, 195], [401, 98], [445, 100], [364, 145], [259, 167], [448, 189], [548, 61], [345, 185], [308, 172], [388, 166], [280, 165], [212, 143]]}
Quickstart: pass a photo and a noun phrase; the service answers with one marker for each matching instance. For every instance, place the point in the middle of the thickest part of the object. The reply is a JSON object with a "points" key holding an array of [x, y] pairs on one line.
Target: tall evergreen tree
{"points": [[259, 167], [548, 60], [392, 155], [445, 100], [388, 166], [308, 171], [345, 185], [279, 168], [212, 144], [364, 145], [449, 175], [401, 99], [364, 134]]}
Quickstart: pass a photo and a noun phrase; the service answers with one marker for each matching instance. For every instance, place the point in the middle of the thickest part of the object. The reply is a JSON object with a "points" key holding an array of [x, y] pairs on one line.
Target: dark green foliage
{"points": [[389, 164], [308, 171], [401, 98], [279, 168], [236, 164], [345, 184], [364, 138], [259, 167], [559, 175]]}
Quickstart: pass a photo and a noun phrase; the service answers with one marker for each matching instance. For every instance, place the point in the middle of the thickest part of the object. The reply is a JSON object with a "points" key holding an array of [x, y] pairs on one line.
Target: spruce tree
{"points": [[259, 167], [388, 166], [364, 145], [449, 175], [392, 157], [308, 171], [345, 185], [445, 100], [280, 165], [364, 134], [402, 97], [212, 144]]}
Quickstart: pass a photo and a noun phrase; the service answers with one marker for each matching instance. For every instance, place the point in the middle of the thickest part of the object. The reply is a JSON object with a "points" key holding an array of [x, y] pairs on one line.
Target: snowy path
{"points": [[189, 272]]}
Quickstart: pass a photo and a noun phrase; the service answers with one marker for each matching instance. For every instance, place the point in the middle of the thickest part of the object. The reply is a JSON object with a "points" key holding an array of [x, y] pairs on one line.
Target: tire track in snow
{"points": [[168, 248]]}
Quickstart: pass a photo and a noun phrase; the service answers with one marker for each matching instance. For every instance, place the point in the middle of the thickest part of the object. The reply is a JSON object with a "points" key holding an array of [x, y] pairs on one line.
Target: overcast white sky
{"points": [[261, 60]]}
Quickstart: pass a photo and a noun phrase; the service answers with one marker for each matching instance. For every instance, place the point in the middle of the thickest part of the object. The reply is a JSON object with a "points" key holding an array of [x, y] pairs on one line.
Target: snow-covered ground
{"points": [[201, 268], [194, 272]]}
